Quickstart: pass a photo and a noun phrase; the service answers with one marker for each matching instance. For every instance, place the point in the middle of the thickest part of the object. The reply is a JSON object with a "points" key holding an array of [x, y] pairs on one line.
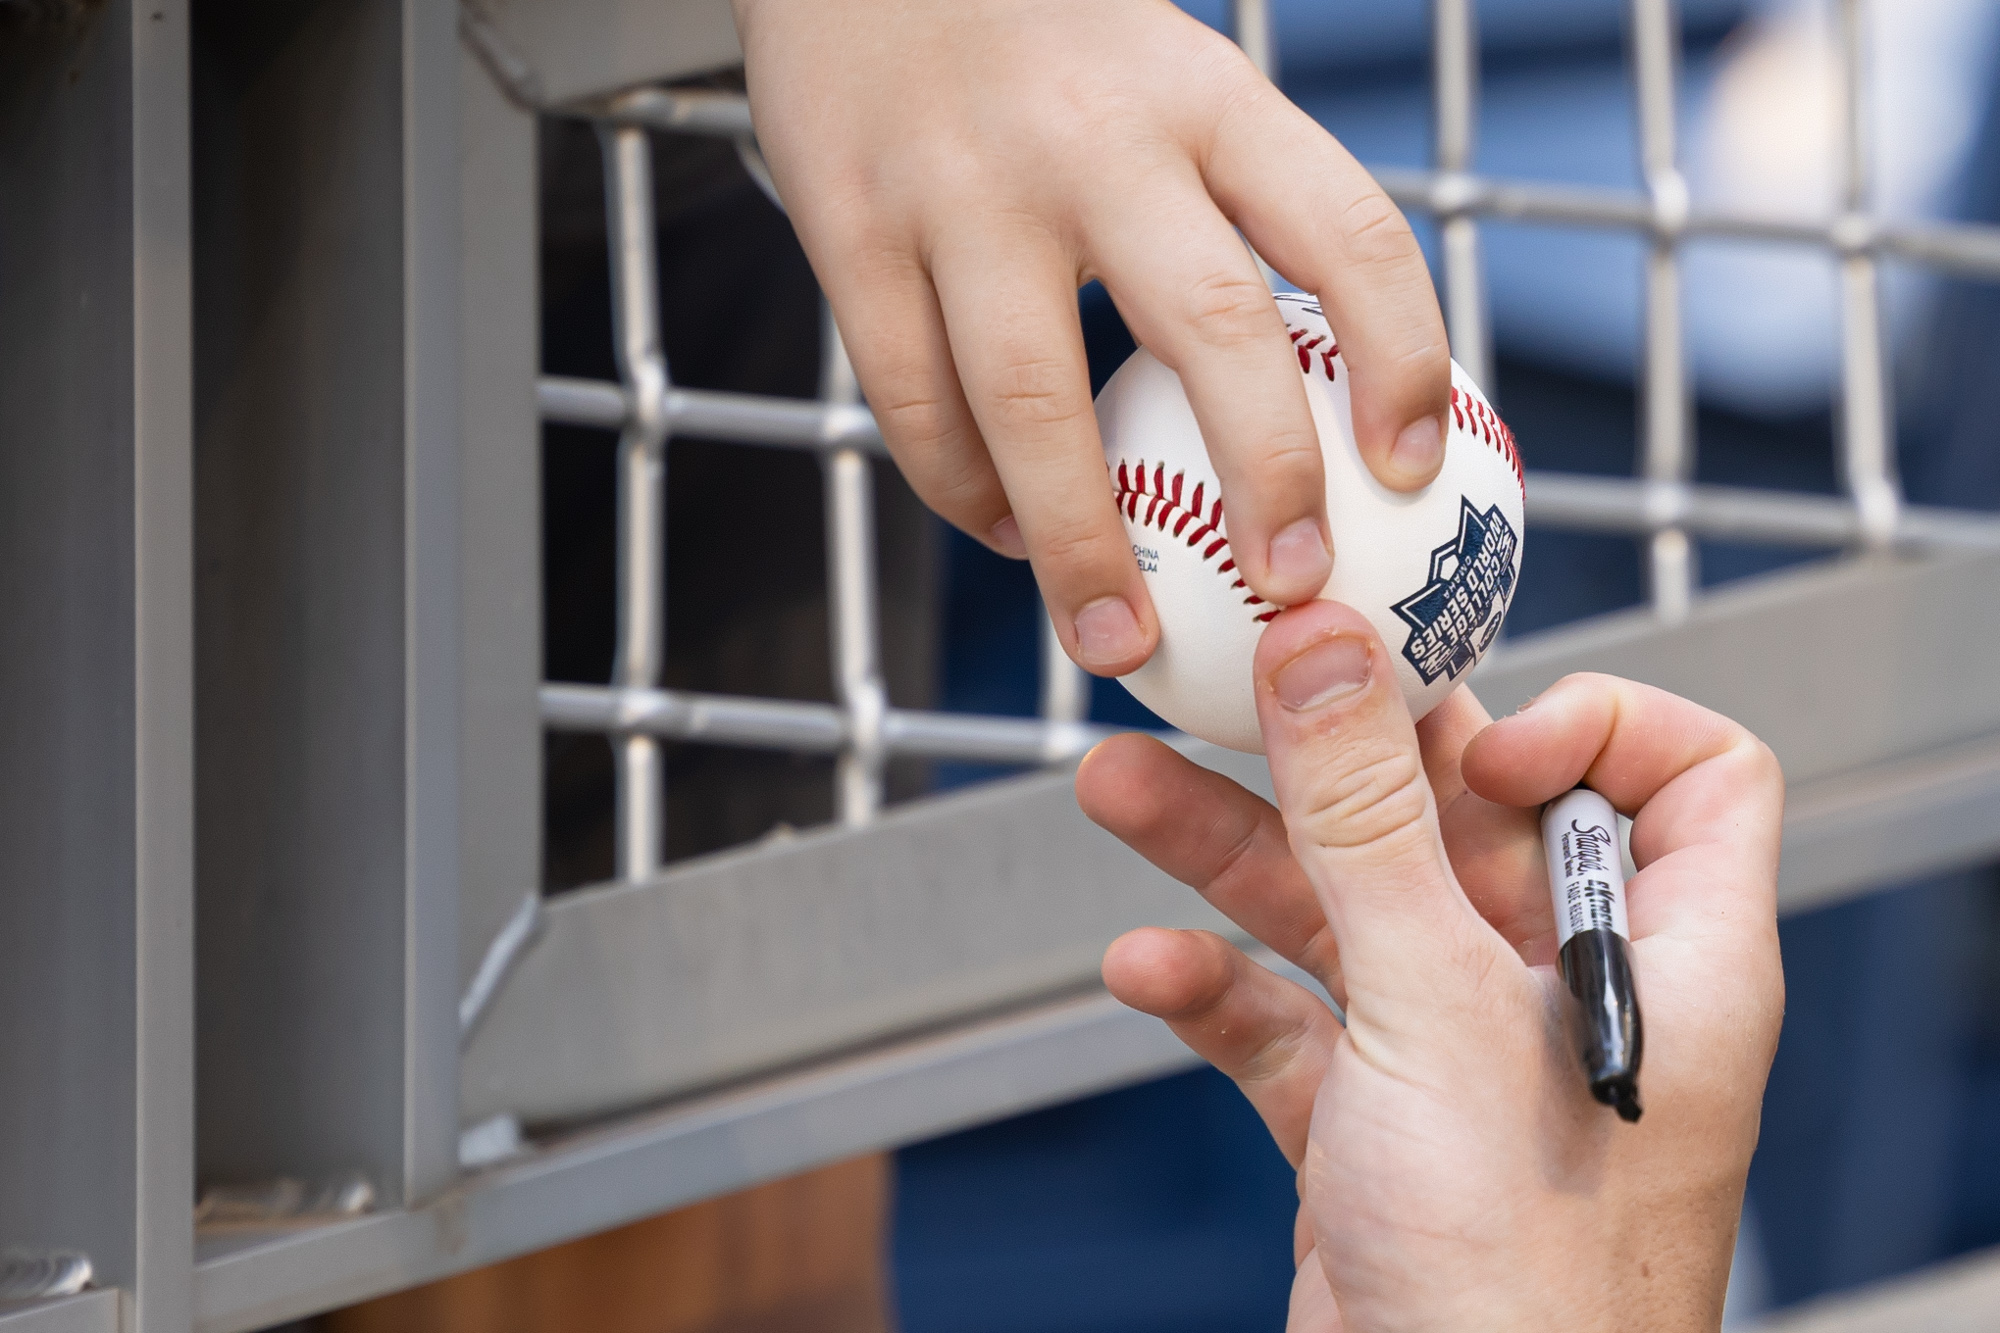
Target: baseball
{"points": [[1433, 570]]}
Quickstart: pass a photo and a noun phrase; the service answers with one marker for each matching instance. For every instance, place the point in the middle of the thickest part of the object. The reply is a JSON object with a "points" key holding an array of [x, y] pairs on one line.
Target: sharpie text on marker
{"points": [[1589, 859]]}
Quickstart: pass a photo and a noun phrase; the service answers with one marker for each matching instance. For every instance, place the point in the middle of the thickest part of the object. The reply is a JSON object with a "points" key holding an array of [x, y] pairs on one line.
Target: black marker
{"points": [[1587, 881]]}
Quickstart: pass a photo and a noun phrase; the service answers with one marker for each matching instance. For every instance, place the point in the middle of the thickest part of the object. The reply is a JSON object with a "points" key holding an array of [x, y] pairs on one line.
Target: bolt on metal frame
{"points": [[1662, 507]]}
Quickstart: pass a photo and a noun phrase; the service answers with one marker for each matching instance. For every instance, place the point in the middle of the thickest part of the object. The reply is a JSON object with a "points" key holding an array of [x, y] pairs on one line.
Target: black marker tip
{"points": [[1621, 1093]]}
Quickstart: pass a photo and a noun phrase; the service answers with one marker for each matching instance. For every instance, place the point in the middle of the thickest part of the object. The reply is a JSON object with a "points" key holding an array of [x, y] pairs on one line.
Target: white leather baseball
{"points": [[1434, 571]]}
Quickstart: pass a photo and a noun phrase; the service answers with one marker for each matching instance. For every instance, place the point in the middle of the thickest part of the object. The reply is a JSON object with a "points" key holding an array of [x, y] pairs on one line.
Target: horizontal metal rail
{"points": [[1567, 500], [811, 728], [1560, 500], [742, 418], [1970, 250], [708, 111]]}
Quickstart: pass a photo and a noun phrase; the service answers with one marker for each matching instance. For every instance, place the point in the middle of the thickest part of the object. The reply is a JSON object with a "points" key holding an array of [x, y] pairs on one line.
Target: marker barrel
{"points": [[1587, 886]]}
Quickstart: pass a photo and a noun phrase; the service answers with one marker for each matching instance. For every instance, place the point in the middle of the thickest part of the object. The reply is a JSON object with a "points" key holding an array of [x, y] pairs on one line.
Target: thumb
{"points": [[1359, 812]]}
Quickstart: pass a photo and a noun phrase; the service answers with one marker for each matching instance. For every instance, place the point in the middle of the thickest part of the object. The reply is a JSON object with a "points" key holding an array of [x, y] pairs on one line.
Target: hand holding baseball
{"points": [[958, 168], [1454, 1171]]}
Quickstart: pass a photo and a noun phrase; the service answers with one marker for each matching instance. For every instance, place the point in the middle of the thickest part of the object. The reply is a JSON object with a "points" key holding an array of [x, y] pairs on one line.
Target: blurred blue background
{"points": [[1164, 1207]]}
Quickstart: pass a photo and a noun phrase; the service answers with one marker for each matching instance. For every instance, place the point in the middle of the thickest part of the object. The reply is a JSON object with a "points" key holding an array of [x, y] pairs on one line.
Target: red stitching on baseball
{"points": [[1472, 414], [1305, 350], [1167, 515], [1476, 417]]}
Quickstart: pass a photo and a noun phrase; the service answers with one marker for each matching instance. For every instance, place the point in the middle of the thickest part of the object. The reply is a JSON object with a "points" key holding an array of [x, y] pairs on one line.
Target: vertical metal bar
{"points": [[433, 621], [1250, 21], [1455, 113], [97, 678], [327, 938], [1065, 685], [1455, 94], [851, 598], [162, 568], [1667, 443], [642, 510], [500, 434], [1867, 440]]}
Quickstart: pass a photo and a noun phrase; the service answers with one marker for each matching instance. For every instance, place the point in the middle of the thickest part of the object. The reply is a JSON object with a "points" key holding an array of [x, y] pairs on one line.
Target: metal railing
{"points": [[1662, 507], [648, 410]]}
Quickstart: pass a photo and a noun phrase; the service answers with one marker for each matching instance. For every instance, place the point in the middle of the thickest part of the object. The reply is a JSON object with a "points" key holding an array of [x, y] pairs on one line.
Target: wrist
{"points": [[1651, 1262], [1665, 1269]]}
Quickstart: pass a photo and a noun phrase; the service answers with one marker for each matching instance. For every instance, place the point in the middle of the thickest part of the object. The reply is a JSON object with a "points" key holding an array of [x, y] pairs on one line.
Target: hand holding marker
{"points": [[1587, 881]]}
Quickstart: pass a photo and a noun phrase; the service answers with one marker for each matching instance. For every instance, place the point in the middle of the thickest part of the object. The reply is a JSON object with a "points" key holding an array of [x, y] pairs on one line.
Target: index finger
{"points": [[1222, 841], [1229, 844]]}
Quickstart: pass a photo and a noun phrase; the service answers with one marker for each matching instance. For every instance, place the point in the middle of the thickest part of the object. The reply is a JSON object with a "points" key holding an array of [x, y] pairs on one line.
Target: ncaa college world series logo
{"points": [[1456, 614]]}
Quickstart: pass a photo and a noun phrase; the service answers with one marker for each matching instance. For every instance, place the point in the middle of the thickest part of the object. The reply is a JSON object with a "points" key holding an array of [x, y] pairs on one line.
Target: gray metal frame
{"points": [[329, 689], [96, 818], [272, 697]]}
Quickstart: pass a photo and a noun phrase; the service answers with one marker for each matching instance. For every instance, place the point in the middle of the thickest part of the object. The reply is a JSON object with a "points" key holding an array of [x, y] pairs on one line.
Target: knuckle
{"points": [[1275, 1056], [854, 220], [1227, 310], [1215, 60], [956, 177], [944, 461], [918, 422], [1423, 354], [1238, 842], [1031, 393], [1374, 232], [1079, 543], [1372, 796], [1597, 682], [1291, 460], [966, 490]]}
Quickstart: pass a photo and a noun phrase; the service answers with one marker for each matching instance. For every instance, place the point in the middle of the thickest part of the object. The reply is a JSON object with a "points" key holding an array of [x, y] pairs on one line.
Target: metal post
{"points": [[501, 515], [1250, 20], [330, 682], [642, 509], [97, 841], [1065, 685], [1455, 89], [1867, 443], [851, 597], [1667, 448]]}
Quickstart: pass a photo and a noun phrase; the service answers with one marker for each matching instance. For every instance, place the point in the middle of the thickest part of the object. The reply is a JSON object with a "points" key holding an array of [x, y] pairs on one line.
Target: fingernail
{"points": [[1331, 669], [1107, 632], [1299, 555], [1420, 448], [1006, 536]]}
